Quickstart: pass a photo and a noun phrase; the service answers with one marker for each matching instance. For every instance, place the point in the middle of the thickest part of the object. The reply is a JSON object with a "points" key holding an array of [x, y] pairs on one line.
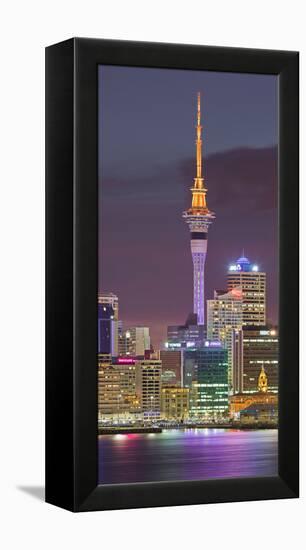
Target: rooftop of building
{"points": [[243, 264]]}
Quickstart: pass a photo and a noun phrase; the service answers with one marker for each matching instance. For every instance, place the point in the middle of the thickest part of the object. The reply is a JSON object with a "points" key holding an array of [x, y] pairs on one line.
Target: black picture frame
{"points": [[72, 267]]}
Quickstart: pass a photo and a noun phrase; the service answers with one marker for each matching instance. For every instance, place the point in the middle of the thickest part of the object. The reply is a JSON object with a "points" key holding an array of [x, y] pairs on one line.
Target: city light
{"points": [[214, 344], [209, 370]]}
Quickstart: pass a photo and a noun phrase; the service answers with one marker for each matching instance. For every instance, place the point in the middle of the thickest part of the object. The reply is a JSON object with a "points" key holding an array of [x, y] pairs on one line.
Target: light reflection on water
{"points": [[187, 454]]}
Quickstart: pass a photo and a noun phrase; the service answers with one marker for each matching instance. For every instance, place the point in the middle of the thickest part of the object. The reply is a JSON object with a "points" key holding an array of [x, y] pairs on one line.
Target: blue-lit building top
{"points": [[243, 264]]}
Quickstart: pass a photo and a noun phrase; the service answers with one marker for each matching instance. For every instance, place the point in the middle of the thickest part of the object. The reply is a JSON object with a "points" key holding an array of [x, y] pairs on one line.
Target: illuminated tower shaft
{"points": [[198, 218]]}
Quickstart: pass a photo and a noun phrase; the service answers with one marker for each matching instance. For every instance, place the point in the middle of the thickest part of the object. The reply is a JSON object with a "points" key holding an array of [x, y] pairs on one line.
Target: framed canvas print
{"points": [[172, 274]]}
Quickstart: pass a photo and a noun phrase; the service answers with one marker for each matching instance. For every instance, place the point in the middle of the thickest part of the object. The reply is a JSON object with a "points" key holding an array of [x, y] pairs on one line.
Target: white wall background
{"points": [[26, 27]]}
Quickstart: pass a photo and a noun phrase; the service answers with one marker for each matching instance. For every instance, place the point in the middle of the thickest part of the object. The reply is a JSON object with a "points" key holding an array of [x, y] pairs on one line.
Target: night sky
{"points": [[147, 123]]}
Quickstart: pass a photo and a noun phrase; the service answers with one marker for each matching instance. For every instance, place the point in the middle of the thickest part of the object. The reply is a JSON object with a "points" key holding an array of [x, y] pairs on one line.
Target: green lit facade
{"points": [[209, 385]]}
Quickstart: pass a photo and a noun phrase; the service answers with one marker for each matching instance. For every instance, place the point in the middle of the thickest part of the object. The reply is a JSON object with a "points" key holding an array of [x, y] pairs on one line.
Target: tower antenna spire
{"points": [[199, 143]]}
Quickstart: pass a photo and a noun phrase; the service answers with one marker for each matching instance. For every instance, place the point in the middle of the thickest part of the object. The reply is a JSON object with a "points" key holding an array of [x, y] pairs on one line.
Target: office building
{"points": [[148, 388], [208, 369], [260, 349], [187, 336], [224, 315], [108, 323], [107, 330], [136, 341], [174, 403], [172, 362], [252, 282], [109, 298], [117, 399]]}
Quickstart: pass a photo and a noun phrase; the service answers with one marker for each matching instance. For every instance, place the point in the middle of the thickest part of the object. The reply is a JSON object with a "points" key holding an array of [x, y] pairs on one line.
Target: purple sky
{"points": [[146, 168]]}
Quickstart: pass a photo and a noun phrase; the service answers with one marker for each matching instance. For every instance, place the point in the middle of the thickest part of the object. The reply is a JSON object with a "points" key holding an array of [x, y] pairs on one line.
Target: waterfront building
{"points": [[206, 374], [117, 399], [252, 282], [148, 388], [260, 413], [260, 349], [174, 403], [198, 218], [261, 405], [224, 322], [136, 341], [172, 362]]}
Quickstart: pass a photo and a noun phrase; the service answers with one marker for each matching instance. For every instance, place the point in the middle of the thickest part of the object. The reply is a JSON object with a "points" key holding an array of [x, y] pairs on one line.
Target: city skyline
{"points": [[149, 265]]}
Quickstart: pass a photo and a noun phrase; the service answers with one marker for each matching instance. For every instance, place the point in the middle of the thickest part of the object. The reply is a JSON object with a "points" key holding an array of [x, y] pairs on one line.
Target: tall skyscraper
{"points": [[111, 299], [224, 315], [108, 323], [106, 329], [252, 282], [198, 219]]}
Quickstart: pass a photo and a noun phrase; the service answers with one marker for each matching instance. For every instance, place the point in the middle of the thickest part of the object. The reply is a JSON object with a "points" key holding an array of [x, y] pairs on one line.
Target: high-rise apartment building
{"points": [[252, 282]]}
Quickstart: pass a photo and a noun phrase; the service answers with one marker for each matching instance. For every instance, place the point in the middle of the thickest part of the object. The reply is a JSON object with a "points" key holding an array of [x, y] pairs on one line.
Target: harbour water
{"points": [[187, 454]]}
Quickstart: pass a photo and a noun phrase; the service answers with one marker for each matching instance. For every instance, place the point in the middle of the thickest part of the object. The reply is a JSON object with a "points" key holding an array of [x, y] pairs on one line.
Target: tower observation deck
{"points": [[198, 219]]}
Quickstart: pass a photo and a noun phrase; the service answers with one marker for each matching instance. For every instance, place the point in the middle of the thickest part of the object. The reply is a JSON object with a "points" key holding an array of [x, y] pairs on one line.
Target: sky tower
{"points": [[198, 218]]}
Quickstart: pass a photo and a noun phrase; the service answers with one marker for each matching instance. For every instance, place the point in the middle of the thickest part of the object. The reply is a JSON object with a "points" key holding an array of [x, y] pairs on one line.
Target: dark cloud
{"points": [[240, 178], [144, 243]]}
